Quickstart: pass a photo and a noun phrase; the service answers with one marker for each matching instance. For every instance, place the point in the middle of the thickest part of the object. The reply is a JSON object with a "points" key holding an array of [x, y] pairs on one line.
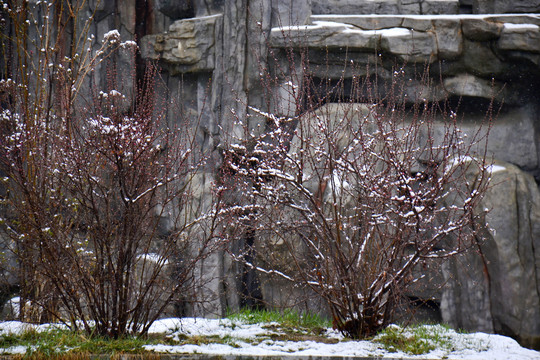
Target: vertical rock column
{"points": [[497, 287]]}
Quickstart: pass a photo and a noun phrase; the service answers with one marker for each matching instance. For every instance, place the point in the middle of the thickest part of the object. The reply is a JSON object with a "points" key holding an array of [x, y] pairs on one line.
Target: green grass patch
{"points": [[287, 320], [281, 326], [68, 344], [56, 343], [414, 340]]}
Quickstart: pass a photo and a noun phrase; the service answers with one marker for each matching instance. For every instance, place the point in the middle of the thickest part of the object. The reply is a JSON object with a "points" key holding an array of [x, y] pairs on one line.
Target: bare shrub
{"points": [[359, 184], [104, 218]]}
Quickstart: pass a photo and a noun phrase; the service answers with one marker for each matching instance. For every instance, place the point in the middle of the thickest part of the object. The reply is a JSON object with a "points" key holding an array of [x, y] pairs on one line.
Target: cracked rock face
{"points": [[188, 45], [386, 6], [495, 288], [502, 6], [424, 7], [423, 38]]}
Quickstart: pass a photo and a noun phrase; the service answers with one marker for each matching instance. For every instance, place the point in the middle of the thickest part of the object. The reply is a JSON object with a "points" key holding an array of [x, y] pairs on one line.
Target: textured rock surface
{"points": [[189, 44], [511, 135], [385, 7], [481, 30], [175, 9], [497, 287], [520, 37], [416, 38], [409, 45], [470, 85], [290, 12], [477, 55], [503, 6]]}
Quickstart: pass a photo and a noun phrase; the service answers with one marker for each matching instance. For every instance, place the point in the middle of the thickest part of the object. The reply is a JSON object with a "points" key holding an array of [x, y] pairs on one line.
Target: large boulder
{"points": [[496, 287], [510, 137]]}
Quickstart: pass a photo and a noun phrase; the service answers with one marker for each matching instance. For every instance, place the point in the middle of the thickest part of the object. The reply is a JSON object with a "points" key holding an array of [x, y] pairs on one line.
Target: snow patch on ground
{"points": [[254, 340], [243, 339], [17, 327]]}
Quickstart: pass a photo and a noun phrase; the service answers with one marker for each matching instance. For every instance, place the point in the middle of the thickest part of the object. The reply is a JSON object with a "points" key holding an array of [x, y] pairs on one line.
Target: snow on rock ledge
{"points": [[417, 38]]}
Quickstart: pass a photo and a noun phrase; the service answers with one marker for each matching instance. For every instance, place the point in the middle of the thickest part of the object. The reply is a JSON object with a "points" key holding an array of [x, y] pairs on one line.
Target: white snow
{"points": [[15, 350], [112, 36], [328, 17], [254, 340], [129, 44], [521, 26], [244, 336], [17, 327], [115, 93], [154, 258], [394, 32], [316, 25], [460, 160], [347, 29], [495, 168]]}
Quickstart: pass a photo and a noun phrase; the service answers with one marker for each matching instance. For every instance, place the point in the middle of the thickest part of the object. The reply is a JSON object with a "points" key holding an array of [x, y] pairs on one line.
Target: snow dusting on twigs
{"points": [[356, 194], [91, 176]]}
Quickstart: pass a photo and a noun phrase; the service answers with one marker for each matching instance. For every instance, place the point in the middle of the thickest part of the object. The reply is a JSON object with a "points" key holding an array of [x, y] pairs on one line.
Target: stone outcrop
{"points": [[495, 288], [426, 38], [510, 137], [188, 45], [424, 7], [502, 6], [386, 7]]}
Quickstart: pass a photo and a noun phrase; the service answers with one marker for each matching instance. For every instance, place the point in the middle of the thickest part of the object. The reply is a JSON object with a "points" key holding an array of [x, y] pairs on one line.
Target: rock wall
{"points": [[499, 290], [213, 53]]}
